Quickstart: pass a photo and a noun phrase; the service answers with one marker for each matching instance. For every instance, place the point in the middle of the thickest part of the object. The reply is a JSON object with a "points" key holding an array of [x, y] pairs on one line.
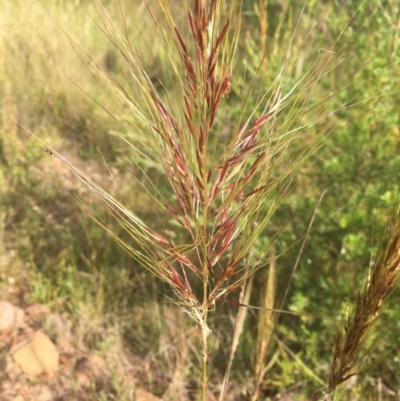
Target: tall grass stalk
{"points": [[351, 338], [265, 324], [225, 191]]}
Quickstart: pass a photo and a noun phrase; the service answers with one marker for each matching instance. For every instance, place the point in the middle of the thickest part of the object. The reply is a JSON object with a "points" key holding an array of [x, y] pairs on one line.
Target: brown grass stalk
{"points": [[265, 324], [382, 275]]}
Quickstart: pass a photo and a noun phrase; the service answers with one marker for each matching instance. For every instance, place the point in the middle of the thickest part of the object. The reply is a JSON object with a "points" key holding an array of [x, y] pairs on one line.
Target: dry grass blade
{"points": [[265, 325], [244, 297]]}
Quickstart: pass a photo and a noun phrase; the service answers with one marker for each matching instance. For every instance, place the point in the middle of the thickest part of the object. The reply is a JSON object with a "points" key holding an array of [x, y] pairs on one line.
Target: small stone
{"points": [[6, 385], [8, 316], [37, 356], [43, 393], [143, 395], [12, 369], [65, 346], [92, 372]]}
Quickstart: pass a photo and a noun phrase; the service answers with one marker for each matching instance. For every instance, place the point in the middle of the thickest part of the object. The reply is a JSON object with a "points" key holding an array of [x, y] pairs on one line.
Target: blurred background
{"points": [[52, 254]]}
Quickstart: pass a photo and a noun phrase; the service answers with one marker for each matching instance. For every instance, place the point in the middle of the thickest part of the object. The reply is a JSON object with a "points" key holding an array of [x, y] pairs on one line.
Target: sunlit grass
{"points": [[211, 146]]}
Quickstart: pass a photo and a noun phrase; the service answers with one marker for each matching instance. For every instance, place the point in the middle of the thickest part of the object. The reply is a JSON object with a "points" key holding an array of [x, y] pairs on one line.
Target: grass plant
{"points": [[223, 196], [350, 339], [217, 147]]}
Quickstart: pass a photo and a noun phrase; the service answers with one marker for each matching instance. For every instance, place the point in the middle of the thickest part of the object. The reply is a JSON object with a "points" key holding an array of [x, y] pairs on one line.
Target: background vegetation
{"points": [[53, 254]]}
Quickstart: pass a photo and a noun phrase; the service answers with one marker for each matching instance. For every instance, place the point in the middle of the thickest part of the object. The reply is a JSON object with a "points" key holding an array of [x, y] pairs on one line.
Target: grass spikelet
{"points": [[382, 276]]}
